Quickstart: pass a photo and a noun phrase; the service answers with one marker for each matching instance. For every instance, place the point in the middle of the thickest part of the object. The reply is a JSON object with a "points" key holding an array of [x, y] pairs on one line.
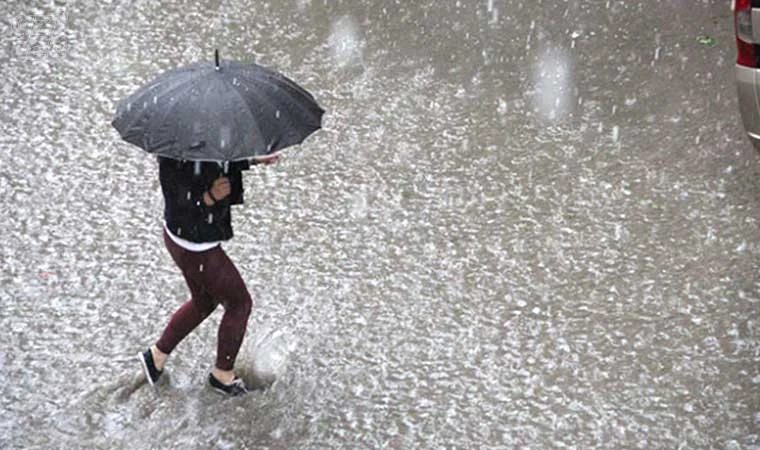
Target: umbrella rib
{"points": [[264, 99], [167, 111], [138, 116], [278, 88], [278, 77], [247, 108], [303, 109]]}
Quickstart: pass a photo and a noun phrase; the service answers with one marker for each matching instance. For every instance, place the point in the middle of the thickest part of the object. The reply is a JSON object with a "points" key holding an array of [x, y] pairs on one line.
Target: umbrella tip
{"points": [[216, 58]]}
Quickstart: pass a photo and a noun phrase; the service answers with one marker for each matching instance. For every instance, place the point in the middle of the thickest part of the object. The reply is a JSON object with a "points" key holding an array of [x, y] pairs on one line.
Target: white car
{"points": [[747, 26]]}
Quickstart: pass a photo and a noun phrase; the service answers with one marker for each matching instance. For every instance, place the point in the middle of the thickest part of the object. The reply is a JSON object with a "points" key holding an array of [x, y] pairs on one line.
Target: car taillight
{"points": [[745, 44]]}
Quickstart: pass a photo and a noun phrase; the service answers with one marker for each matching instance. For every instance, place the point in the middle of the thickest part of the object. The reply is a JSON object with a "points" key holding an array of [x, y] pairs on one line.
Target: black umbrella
{"points": [[218, 111]]}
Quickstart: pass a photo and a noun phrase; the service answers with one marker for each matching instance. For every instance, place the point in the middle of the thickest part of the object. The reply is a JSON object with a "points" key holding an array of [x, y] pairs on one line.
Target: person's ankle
{"points": [[159, 357], [224, 376]]}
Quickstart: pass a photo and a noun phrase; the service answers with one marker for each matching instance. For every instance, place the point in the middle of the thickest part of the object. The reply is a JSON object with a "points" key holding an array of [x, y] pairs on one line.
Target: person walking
{"points": [[197, 199], [207, 121]]}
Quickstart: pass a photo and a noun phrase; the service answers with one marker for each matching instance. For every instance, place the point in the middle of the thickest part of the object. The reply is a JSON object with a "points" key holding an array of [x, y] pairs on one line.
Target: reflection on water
{"points": [[518, 229]]}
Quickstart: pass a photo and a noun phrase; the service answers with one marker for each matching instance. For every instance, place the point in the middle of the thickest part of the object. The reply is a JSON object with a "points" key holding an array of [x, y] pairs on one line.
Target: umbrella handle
{"points": [[216, 58]]}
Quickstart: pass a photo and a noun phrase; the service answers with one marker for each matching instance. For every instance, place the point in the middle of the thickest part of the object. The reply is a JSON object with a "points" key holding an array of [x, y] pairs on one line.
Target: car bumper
{"points": [[747, 80]]}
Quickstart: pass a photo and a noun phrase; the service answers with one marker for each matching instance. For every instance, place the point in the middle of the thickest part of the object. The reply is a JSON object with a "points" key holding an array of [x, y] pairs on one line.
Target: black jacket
{"points": [[183, 184]]}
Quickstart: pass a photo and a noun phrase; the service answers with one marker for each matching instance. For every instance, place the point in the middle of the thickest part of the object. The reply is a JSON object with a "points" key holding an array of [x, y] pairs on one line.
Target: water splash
{"points": [[265, 356], [554, 84], [345, 42]]}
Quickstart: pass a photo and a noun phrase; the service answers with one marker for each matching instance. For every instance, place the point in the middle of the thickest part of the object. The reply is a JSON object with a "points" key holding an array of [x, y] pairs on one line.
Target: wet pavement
{"points": [[526, 224]]}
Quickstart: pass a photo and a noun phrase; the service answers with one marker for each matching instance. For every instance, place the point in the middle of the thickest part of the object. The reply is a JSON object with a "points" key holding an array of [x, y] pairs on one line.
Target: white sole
{"points": [[144, 365], [221, 391]]}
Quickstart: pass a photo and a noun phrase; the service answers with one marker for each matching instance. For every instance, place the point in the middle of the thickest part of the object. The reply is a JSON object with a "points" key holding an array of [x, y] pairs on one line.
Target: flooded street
{"points": [[525, 224]]}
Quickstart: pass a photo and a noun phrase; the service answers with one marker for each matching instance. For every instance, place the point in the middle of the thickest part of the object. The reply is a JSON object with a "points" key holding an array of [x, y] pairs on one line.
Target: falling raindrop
{"points": [[179, 231], [155, 99], [226, 167], [210, 219], [197, 168], [225, 134], [189, 195], [200, 268], [615, 133], [359, 209], [554, 84], [129, 106], [277, 114], [345, 42], [502, 108]]}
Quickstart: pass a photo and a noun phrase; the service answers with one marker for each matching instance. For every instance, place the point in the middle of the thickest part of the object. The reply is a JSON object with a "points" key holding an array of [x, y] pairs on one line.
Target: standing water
{"points": [[521, 227]]}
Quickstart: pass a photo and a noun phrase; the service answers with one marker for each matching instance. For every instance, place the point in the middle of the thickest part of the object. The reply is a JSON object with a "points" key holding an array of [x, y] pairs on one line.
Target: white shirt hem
{"points": [[188, 245]]}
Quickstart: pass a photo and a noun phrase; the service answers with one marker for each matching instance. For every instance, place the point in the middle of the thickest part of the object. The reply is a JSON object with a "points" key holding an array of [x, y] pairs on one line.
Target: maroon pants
{"points": [[212, 279]]}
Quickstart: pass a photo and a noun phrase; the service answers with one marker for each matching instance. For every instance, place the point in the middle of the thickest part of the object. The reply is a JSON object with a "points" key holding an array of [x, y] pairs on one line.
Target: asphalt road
{"points": [[526, 224]]}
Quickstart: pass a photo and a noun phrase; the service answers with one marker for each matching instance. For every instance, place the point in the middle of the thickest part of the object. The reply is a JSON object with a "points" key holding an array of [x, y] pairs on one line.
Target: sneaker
{"points": [[237, 387], [149, 367]]}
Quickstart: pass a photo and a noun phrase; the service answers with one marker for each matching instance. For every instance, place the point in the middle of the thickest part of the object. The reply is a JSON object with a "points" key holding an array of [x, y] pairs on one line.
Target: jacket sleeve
{"points": [[236, 181], [182, 190]]}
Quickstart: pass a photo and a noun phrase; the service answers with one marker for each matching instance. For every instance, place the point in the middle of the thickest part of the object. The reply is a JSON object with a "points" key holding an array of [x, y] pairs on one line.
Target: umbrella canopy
{"points": [[217, 111]]}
